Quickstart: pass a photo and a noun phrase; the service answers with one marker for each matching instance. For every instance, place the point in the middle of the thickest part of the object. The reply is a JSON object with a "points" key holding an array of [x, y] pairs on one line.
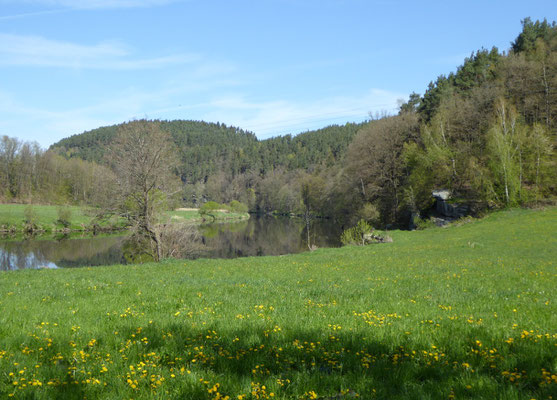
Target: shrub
{"points": [[356, 234], [209, 209], [369, 213], [64, 216], [237, 207], [29, 219], [210, 206], [29, 214], [423, 223]]}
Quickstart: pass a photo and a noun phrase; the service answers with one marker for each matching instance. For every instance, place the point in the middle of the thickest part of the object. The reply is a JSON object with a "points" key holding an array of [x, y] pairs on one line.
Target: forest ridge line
{"points": [[486, 133]]}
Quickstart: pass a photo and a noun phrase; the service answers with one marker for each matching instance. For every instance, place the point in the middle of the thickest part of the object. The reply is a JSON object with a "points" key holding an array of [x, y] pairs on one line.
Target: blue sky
{"points": [[270, 66]]}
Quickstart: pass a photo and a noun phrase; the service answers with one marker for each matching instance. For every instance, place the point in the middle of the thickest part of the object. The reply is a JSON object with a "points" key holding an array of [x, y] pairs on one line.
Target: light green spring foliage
{"points": [[238, 207], [355, 235], [210, 206], [29, 214], [195, 216], [424, 223], [463, 312], [223, 211], [64, 215]]}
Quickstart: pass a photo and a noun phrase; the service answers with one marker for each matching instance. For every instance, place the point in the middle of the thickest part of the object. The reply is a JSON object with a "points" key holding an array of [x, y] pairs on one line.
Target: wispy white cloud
{"points": [[63, 6], [94, 4], [32, 14], [273, 118], [47, 122], [47, 125], [265, 119], [17, 50]]}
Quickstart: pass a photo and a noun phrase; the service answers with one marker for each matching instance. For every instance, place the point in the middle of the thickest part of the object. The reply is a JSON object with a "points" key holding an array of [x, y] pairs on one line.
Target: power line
{"points": [[318, 118]]}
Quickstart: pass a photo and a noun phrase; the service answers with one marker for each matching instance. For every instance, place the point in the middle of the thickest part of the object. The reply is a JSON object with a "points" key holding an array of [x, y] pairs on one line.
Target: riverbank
{"points": [[192, 215], [22, 218], [461, 312]]}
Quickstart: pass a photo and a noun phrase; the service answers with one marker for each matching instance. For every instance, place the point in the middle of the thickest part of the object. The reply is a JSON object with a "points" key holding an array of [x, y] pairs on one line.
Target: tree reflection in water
{"points": [[34, 253], [262, 236], [257, 236]]}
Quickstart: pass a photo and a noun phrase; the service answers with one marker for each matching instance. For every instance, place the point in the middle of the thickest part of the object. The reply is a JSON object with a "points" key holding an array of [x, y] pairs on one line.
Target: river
{"points": [[258, 236]]}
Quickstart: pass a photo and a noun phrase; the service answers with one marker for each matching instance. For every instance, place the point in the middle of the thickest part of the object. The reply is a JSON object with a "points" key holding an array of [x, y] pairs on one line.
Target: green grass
{"points": [[463, 312], [193, 216], [12, 218]]}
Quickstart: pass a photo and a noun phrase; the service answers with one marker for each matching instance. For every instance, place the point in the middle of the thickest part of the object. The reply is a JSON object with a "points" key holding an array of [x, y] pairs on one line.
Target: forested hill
{"points": [[210, 148], [486, 132]]}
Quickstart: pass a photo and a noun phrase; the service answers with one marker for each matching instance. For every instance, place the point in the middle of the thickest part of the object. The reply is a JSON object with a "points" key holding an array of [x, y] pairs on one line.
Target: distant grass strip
{"points": [[46, 218], [192, 215], [466, 312]]}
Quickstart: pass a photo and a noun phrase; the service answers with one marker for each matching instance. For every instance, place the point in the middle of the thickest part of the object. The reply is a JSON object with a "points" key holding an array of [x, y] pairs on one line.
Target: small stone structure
{"points": [[445, 211], [373, 238]]}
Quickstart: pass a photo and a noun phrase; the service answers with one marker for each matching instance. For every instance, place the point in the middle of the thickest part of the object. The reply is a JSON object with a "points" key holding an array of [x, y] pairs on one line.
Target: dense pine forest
{"points": [[486, 132]]}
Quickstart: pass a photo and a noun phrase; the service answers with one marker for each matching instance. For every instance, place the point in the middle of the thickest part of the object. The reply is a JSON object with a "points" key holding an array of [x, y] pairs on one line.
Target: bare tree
{"points": [[312, 188], [144, 159]]}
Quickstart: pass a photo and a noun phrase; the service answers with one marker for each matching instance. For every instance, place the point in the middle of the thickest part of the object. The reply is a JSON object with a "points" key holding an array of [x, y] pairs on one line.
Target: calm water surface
{"points": [[258, 236]]}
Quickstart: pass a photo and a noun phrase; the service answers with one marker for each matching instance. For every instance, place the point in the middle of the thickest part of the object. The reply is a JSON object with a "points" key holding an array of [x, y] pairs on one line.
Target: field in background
{"points": [[463, 312], [46, 218], [12, 218], [192, 215]]}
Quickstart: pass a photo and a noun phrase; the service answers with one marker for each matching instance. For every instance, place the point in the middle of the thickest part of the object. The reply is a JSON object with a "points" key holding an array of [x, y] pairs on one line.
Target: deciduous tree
{"points": [[144, 160]]}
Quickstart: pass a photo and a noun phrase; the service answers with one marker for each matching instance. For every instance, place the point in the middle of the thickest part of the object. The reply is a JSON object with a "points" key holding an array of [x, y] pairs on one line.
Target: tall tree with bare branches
{"points": [[144, 160]]}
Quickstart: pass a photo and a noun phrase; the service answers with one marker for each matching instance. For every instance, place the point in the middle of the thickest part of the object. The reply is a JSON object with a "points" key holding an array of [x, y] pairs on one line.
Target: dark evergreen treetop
{"points": [[532, 31], [207, 148]]}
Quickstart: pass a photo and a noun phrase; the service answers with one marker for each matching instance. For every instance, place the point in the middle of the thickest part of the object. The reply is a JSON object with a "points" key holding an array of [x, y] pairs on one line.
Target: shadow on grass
{"points": [[337, 365], [310, 360]]}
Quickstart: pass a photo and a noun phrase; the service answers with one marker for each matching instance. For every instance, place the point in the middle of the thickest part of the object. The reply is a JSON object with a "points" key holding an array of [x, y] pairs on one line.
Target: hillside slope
{"points": [[207, 149]]}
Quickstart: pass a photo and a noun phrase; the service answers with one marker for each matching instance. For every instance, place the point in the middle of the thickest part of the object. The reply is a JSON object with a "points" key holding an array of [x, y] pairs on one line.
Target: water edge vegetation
{"points": [[17, 218]]}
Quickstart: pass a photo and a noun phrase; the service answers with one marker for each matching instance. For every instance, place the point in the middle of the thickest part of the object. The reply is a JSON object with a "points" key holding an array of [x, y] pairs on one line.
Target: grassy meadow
{"points": [[46, 218], [14, 215], [465, 312], [192, 215]]}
